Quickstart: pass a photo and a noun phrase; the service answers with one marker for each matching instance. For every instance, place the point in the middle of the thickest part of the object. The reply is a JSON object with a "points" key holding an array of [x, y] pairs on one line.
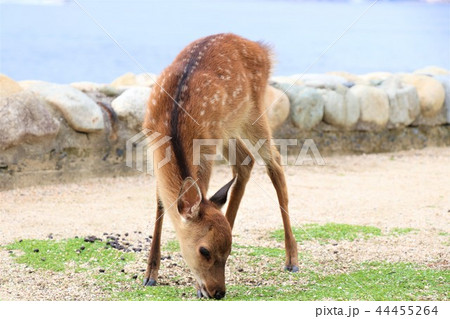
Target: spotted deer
{"points": [[214, 89]]}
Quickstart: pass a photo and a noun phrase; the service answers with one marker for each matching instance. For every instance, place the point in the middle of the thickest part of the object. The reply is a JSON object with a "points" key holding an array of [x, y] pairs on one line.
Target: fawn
{"points": [[214, 89]]}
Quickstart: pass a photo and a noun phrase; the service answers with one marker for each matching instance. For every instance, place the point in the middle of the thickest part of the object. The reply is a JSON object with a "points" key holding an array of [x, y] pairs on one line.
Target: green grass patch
{"points": [[260, 251], [402, 231], [329, 231], [172, 246], [332, 231], [59, 255], [366, 281], [372, 281]]}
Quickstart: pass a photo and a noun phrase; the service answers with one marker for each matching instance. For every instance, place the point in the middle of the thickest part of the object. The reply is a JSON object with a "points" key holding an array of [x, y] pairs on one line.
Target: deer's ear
{"points": [[189, 199], [220, 197]]}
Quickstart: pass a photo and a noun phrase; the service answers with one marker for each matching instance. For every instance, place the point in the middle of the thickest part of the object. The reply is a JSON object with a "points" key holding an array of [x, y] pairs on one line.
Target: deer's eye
{"points": [[205, 252]]}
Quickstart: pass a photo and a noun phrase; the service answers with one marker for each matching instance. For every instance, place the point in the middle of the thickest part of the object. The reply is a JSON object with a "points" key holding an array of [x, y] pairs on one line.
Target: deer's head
{"points": [[205, 237]]}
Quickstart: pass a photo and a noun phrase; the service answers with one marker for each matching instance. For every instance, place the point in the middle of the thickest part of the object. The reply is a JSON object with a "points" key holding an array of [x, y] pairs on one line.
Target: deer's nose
{"points": [[219, 294]]}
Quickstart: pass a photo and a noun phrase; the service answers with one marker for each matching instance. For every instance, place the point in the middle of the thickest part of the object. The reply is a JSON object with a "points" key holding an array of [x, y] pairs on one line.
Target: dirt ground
{"points": [[405, 189]]}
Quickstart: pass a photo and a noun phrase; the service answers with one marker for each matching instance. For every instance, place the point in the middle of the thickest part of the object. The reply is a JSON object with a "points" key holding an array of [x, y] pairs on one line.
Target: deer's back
{"points": [[215, 84]]}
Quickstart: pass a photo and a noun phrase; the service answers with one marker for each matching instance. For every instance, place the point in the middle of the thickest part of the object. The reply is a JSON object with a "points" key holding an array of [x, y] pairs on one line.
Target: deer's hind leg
{"points": [[272, 160]]}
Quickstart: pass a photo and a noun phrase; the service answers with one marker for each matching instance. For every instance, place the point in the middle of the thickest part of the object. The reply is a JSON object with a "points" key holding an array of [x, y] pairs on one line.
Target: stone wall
{"points": [[52, 133]]}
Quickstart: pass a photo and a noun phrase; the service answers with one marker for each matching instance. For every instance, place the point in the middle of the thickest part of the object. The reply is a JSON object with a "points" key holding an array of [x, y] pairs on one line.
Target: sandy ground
{"points": [[405, 189]]}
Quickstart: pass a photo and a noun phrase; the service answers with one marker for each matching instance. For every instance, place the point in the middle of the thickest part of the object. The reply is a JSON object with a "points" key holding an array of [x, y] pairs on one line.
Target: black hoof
{"points": [[149, 282], [291, 268], [199, 294]]}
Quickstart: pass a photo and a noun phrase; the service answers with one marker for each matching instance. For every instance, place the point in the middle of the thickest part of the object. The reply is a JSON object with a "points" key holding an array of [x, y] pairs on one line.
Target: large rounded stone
{"points": [[8, 86], [80, 111], [404, 105], [127, 79], [24, 118], [351, 78], [433, 70], [307, 106], [326, 81], [375, 78], [337, 111], [431, 93], [277, 105], [131, 79], [130, 106], [374, 106], [86, 86], [445, 81]]}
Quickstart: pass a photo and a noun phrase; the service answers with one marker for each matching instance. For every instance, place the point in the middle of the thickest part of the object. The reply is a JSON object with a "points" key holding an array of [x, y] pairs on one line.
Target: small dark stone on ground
{"points": [[101, 270], [240, 270], [82, 248], [91, 239], [122, 258], [126, 234], [43, 259], [36, 250], [135, 276], [122, 270]]}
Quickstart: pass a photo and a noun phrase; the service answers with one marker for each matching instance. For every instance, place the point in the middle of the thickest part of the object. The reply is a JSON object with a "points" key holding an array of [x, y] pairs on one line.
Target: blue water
{"points": [[60, 43]]}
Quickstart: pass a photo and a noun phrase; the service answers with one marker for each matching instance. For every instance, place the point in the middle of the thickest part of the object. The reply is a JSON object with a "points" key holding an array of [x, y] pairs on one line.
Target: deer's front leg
{"points": [[154, 258]]}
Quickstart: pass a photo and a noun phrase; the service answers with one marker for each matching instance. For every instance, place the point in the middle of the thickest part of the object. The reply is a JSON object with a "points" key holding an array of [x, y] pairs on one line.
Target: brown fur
{"points": [[224, 93]]}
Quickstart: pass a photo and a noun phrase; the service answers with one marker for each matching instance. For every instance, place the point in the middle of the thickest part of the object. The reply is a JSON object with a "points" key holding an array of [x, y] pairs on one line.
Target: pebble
{"points": [[36, 250], [91, 239], [101, 270], [135, 276], [82, 248]]}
